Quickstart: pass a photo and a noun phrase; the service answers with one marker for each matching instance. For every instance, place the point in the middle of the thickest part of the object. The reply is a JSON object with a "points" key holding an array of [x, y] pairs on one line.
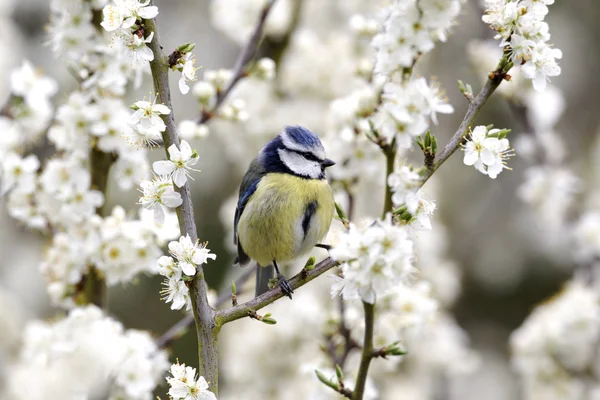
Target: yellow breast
{"points": [[270, 228]]}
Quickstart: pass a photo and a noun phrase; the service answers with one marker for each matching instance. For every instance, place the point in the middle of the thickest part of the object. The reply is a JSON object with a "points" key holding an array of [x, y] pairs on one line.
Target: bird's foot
{"points": [[324, 246], [285, 286]]}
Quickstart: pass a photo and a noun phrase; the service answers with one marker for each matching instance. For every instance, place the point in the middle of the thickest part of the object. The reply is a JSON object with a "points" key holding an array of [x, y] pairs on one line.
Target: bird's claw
{"points": [[285, 286]]}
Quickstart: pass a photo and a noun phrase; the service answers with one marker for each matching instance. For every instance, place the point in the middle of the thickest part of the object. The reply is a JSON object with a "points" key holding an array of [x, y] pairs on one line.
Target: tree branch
{"points": [[246, 55], [367, 352], [494, 80], [206, 329], [181, 327], [245, 309]]}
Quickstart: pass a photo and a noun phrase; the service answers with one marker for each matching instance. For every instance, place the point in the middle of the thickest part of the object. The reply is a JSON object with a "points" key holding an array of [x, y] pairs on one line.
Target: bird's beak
{"points": [[327, 163]]}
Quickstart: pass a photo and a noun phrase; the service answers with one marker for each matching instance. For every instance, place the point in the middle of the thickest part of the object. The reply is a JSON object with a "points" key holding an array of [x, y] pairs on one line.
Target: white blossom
{"points": [[124, 13], [30, 84], [557, 342], [264, 69], [19, 172], [542, 65], [185, 386], [147, 116], [189, 254], [84, 354], [376, 258], [159, 193], [176, 292], [188, 72], [520, 24], [179, 164], [486, 151]]}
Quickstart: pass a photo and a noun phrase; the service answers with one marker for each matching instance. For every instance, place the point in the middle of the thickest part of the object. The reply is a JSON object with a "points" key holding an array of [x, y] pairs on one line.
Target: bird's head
{"points": [[296, 151]]}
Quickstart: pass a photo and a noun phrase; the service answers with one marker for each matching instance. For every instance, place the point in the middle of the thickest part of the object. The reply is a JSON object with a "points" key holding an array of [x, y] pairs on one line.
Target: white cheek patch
{"points": [[290, 144], [300, 165]]}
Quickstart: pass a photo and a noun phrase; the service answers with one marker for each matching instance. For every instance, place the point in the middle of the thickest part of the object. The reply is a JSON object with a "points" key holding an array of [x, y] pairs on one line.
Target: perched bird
{"points": [[285, 205]]}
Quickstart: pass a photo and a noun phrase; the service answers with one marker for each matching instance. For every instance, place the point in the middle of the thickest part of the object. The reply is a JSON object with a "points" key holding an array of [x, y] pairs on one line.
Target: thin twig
{"points": [[494, 80], [246, 55], [203, 314], [181, 327], [243, 310], [175, 332]]}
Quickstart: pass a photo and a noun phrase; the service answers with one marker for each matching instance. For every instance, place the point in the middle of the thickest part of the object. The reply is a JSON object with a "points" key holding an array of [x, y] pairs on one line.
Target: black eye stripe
{"points": [[308, 156]]}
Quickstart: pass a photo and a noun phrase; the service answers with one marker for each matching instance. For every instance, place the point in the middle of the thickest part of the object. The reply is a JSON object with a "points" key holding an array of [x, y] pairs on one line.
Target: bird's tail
{"points": [[263, 276]]}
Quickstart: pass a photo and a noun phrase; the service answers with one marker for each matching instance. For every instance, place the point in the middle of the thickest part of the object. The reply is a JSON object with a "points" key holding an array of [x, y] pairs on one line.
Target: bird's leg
{"points": [[324, 246], [283, 283]]}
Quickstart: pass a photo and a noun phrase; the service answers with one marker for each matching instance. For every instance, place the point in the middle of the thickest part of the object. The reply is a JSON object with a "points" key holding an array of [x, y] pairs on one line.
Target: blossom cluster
{"points": [[521, 27], [118, 247], [84, 354], [554, 349], [411, 28], [124, 21], [181, 267], [26, 115], [184, 385], [375, 258], [412, 207], [102, 65], [407, 110], [487, 150], [216, 81]]}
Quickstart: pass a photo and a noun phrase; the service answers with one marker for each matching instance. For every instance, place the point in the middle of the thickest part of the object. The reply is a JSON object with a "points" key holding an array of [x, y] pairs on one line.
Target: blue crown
{"points": [[303, 137]]}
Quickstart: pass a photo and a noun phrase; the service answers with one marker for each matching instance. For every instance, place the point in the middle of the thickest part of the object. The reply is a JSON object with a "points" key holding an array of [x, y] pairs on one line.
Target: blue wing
{"points": [[247, 189]]}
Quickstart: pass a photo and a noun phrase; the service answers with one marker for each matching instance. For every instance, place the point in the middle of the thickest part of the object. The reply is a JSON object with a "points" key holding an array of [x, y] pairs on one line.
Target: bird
{"points": [[285, 205]]}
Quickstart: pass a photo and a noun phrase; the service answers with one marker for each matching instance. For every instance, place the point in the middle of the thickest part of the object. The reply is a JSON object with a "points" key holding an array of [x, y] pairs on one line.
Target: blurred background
{"points": [[508, 257]]}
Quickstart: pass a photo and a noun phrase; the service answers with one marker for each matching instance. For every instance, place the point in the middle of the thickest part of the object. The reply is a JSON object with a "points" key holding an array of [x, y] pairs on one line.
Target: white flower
{"points": [[113, 19], [234, 110], [179, 164], [402, 181], [542, 65], [19, 172], [486, 151], [124, 14], [147, 116], [157, 193], [521, 48], [218, 78], [188, 72], [189, 254], [185, 386], [168, 267], [376, 258], [34, 87], [265, 69], [433, 98], [205, 92], [85, 351], [191, 130], [420, 209], [177, 293], [134, 47], [557, 341], [130, 169]]}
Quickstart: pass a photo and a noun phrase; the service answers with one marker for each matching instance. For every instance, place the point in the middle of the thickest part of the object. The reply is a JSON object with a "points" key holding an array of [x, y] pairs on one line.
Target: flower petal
{"points": [[163, 167]]}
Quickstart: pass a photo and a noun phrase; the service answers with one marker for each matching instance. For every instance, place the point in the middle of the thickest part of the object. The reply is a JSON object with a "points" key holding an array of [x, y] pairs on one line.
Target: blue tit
{"points": [[285, 204]]}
